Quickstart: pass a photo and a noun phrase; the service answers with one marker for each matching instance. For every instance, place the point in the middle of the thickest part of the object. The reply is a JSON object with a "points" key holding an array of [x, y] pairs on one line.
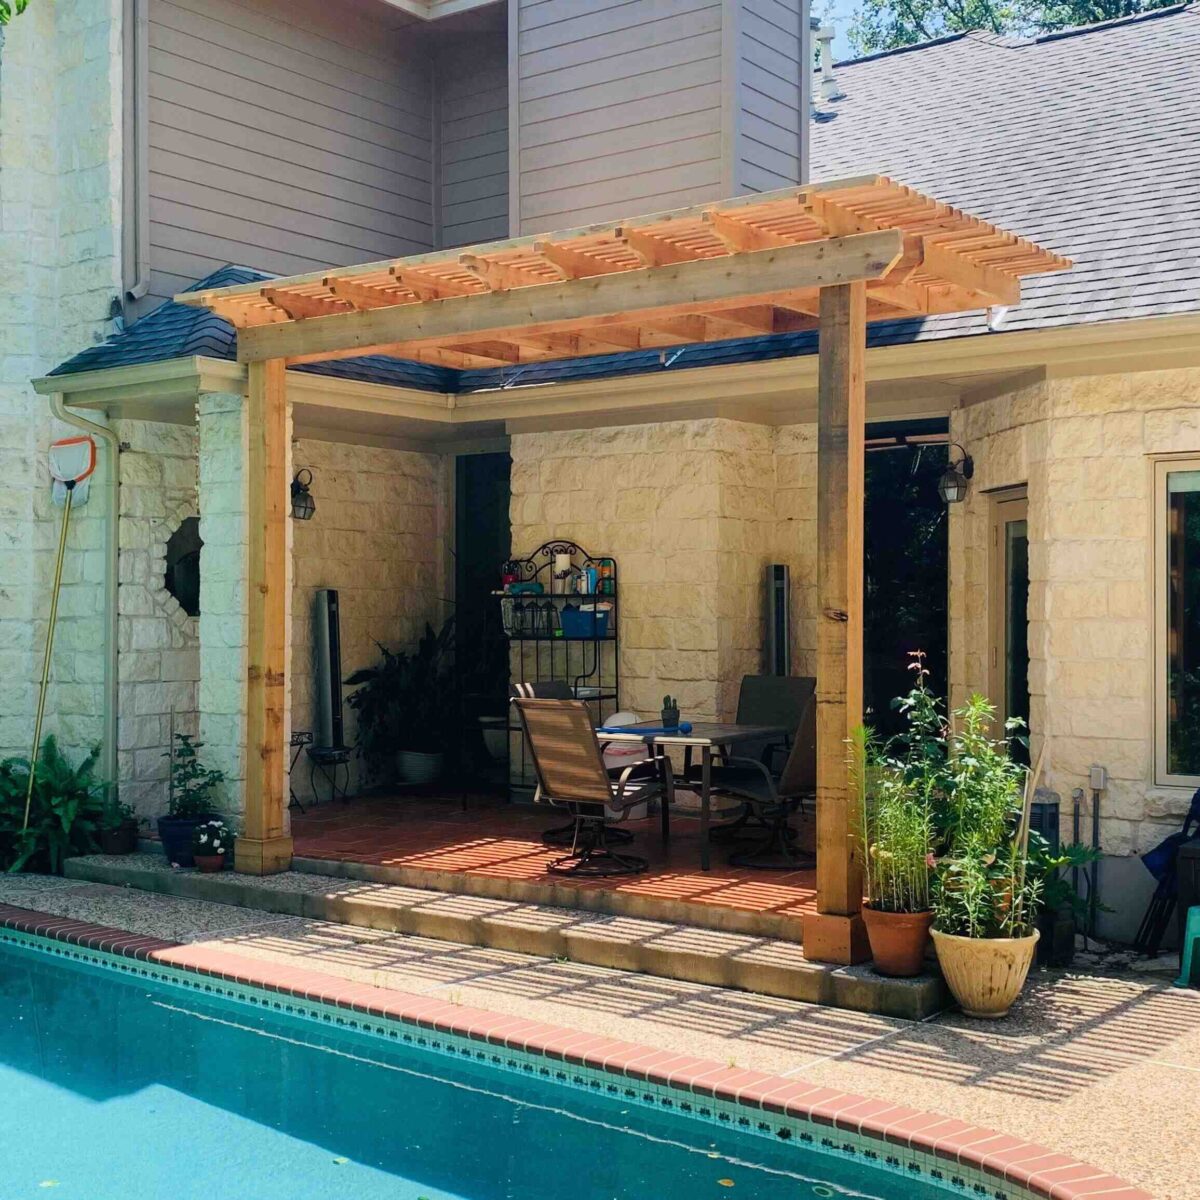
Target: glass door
{"points": [[1009, 608]]}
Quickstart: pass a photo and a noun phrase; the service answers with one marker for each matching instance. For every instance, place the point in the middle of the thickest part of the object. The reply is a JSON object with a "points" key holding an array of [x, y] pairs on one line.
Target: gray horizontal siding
{"points": [[472, 91], [619, 108], [286, 135], [772, 102]]}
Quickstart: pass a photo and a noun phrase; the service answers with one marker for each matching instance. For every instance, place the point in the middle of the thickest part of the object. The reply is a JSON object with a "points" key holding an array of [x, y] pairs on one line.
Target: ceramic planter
{"points": [[123, 839], [208, 863], [985, 974], [175, 833], [898, 940], [414, 766]]}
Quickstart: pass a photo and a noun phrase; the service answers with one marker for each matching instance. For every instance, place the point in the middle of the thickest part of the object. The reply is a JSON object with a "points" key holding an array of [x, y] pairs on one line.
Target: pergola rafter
{"points": [[830, 257]]}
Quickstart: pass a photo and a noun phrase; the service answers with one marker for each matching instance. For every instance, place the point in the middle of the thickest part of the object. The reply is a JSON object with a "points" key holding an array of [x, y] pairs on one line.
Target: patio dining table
{"points": [[707, 737]]}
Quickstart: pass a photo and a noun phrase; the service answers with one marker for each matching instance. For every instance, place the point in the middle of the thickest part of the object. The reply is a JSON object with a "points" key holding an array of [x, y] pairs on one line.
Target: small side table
{"points": [[299, 739], [329, 762]]}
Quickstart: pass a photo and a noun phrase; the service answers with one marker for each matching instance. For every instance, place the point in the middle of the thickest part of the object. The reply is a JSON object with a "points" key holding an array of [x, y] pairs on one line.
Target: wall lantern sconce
{"points": [[303, 505], [952, 487]]}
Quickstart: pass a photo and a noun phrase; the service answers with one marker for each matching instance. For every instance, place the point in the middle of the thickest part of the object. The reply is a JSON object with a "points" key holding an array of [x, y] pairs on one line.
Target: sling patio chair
{"points": [[560, 689], [772, 797], [778, 700], [571, 774]]}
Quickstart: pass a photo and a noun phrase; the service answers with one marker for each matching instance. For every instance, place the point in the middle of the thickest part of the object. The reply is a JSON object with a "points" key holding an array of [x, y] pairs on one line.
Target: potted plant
{"points": [[985, 892], [1061, 911], [896, 835], [191, 799], [65, 809], [407, 707], [118, 828], [211, 842]]}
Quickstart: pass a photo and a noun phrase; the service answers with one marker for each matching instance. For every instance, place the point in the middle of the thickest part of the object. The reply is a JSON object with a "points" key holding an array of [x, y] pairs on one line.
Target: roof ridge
{"points": [[1017, 42]]}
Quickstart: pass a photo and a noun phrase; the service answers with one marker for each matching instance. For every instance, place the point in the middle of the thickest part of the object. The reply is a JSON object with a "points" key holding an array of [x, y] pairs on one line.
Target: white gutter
{"points": [[108, 744]]}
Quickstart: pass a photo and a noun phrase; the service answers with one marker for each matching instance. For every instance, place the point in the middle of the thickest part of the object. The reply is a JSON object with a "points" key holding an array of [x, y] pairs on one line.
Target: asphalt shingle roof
{"points": [[1086, 141]]}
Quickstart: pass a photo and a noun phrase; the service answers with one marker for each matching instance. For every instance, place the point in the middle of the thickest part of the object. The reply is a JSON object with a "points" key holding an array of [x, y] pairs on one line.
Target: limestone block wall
{"points": [[1086, 449], [378, 537], [223, 630], [159, 643], [60, 78], [692, 511]]}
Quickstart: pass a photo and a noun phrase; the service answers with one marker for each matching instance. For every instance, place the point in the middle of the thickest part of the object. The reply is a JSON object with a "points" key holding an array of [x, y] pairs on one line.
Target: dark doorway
{"points": [[483, 542], [906, 556]]}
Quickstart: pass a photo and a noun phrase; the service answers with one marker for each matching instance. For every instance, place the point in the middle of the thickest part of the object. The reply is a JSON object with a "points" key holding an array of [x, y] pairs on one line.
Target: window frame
{"points": [[1160, 558]]}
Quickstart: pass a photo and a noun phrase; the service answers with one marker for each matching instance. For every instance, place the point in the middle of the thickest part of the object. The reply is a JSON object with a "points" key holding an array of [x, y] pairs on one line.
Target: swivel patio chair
{"points": [[772, 798], [559, 689], [571, 774]]}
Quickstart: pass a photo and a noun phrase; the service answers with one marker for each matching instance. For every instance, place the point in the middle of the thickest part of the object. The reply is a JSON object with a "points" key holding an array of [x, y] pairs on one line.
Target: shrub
{"points": [[65, 810]]}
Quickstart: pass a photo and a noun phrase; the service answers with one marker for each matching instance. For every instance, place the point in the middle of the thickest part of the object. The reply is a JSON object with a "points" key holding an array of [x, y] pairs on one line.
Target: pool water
{"points": [[135, 1089]]}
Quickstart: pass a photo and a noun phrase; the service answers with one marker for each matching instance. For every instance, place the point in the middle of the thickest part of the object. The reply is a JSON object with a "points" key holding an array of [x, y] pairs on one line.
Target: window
{"points": [[1177, 621]]}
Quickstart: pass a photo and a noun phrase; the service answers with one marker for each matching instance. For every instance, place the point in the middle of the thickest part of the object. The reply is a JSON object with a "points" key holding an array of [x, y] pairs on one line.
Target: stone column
{"points": [[224, 625]]}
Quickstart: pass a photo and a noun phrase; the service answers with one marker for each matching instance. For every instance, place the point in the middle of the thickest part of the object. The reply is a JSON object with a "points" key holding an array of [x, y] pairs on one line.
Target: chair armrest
{"points": [[623, 778], [742, 761]]}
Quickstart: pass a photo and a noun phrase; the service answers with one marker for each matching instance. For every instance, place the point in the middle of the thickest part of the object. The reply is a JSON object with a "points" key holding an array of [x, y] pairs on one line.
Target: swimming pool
{"points": [[123, 1082]]}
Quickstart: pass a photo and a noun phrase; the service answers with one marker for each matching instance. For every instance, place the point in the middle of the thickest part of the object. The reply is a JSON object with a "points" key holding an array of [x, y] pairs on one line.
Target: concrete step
{"points": [[724, 959]]}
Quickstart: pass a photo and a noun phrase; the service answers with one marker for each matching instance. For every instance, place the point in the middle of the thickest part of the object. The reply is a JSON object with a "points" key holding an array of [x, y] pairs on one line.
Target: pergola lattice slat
{"points": [[770, 253]]}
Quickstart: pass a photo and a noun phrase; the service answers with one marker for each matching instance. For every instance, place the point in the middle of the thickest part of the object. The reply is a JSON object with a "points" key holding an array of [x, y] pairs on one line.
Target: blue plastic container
{"points": [[581, 623]]}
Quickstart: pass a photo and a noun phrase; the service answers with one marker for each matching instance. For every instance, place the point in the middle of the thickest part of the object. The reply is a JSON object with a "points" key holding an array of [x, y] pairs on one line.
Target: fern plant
{"points": [[65, 811]]}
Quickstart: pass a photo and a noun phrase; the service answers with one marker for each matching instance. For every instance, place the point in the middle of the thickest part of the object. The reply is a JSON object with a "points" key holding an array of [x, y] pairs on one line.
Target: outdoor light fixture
{"points": [[303, 505], [952, 487]]}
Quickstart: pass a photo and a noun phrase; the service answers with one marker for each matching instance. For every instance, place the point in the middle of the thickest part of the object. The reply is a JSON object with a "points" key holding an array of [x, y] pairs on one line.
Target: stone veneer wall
{"points": [[378, 537], [159, 644], [60, 87], [1085, 449], [692, 511]]}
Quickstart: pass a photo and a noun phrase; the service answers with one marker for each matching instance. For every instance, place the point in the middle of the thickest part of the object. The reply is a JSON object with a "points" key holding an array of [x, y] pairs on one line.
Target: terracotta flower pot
{"points": [[985, 974], [898, 940], [209, 863]]}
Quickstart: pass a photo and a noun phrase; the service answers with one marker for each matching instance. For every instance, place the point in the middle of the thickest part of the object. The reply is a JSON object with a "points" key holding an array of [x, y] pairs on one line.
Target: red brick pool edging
{"points": [[1042, 1172]]}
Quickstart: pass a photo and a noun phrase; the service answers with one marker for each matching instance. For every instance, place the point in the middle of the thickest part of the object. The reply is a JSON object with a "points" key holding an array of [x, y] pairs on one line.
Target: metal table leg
{"points": [[705, 786]]}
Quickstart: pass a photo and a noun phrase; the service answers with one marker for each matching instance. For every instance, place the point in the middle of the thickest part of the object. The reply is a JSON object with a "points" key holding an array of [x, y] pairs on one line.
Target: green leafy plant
{"points": [[1052, 866], [984, 886], [116, 813], [65, 812], [895, 825], [192, 783], [407, 701], [8, 10], [211, 838]]}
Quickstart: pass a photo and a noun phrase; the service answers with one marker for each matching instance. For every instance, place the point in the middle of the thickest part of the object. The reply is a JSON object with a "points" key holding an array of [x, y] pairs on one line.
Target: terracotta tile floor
{"points": [[503, 841]]}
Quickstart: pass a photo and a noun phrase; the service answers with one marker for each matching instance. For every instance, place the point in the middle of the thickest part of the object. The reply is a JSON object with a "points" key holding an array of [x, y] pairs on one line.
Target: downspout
{"points": [[135, 189], [108, 744]]}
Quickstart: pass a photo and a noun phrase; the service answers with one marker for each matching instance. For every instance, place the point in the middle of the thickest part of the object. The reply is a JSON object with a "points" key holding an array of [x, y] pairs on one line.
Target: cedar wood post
{"points": [[835, 933], [264, 846]]}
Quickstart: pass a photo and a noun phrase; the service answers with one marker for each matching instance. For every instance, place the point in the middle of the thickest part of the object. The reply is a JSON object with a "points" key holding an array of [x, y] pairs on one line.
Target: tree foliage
{"points": [[887, 24]]}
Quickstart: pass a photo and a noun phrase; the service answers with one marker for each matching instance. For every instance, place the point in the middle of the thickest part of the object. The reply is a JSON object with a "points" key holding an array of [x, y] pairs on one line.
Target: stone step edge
{"points": [[776, 926], [741, 962]]}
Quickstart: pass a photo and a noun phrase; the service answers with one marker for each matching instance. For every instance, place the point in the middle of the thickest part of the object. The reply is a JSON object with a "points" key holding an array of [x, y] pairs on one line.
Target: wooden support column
{"points": [[265, 847], [835, 933]]}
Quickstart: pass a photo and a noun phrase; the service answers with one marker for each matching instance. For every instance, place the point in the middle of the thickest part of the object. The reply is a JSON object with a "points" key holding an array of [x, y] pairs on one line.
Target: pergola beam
{"points": [[575, 305]]}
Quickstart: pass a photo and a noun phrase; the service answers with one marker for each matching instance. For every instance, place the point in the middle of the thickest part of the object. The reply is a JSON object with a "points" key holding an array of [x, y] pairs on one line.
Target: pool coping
{"points": [[1036, 1169]]}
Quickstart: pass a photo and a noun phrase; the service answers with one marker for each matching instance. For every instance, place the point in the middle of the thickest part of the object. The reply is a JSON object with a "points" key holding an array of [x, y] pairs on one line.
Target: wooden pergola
{"points": [[829, 257]]}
